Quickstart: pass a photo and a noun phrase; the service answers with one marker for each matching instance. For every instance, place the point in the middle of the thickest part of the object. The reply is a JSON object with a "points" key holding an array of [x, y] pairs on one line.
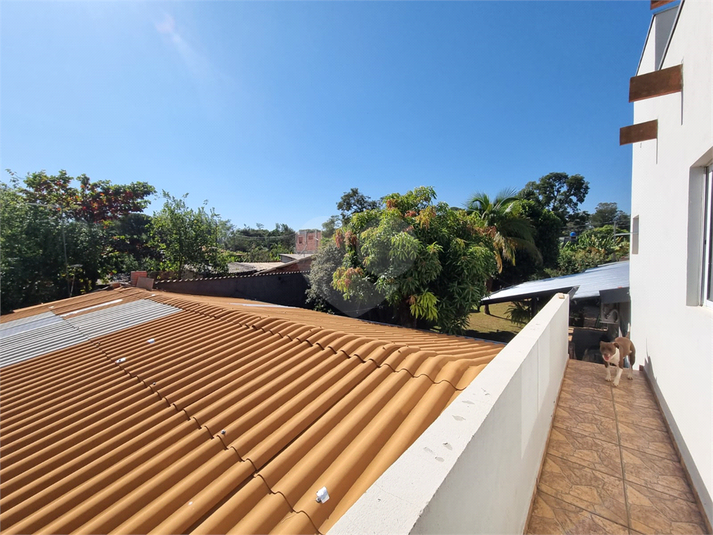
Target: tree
{"points": [[353, 202], [592, 248], [427, 261], [608, 213], [329, 227], [509, 229], [187, 238], [547, 231], [59, 239], [321, 295], [93, 202], [32, 264], [560, 193], [260, 244]]}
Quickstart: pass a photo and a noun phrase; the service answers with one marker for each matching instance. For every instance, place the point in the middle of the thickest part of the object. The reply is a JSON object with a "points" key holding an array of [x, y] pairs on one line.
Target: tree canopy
{"points": [[60, 234], [425, 259], [93, 201], [510, 230], [561, 194], [187, 238], [608, 213], [353, 202]]}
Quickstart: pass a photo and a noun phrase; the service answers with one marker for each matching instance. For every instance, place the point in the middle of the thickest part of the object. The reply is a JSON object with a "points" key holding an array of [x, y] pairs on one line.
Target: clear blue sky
{"points": [[272, 110]]}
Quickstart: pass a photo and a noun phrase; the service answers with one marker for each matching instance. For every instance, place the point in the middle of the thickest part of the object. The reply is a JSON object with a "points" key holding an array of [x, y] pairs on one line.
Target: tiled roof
{"points": [[209, 417]]}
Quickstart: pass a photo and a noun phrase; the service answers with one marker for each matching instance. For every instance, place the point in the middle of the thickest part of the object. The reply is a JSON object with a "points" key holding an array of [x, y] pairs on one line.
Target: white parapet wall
{"points": [[474, 469]]}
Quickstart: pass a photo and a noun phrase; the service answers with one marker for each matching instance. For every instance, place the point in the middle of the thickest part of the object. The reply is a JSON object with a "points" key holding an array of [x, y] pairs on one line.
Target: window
{"points": [[635, 235], [708, 240]]}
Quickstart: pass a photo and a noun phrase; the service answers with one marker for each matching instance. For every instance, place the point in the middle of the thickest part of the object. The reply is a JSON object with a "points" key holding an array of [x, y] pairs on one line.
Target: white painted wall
{"points": [[673, 333], [474, 469]]}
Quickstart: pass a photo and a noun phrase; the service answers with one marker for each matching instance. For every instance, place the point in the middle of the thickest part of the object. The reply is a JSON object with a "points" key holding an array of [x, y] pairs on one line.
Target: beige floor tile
{"points": [[662, 475], [591, 490], [633, 396], [553, 516], [655, 512], [645, 416], [594, 404], [587, 388], [586, 451], [647, 440], [586, 423]]}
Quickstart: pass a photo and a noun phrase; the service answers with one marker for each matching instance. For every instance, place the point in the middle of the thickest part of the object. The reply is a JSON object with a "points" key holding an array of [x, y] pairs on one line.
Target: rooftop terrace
{"points": [[611, 466]]}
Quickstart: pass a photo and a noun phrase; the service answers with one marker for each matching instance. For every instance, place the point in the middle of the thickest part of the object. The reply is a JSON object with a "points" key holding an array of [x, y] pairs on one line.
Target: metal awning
{"points": [[589, 285]]}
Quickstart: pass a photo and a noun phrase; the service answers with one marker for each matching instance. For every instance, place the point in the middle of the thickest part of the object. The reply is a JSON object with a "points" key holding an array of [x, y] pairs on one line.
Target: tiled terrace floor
{"points": [[611, 466]]}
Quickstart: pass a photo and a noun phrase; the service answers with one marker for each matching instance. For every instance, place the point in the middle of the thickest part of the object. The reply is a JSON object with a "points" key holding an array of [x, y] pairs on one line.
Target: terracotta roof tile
{"points": [[215, 418]]}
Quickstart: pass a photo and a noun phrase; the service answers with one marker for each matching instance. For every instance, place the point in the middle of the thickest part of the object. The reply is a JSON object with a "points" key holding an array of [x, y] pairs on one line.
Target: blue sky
{"points": [[271, 110]]}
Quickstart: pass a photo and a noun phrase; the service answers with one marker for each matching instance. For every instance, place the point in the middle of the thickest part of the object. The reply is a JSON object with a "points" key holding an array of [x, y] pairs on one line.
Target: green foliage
{"points": [[353, 202], [93, 202], [509, 228], [329, 227], [58, 239], [561, 194], [547, 231], [187, 238], [32, 265], [592, 248], [258, 244], [321, 295], [427, 261], [608, 213], [519, 313]]}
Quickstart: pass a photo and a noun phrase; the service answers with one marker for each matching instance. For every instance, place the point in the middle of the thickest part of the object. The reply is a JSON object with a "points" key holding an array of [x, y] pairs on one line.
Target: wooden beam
{"points": [[655, 4], [639, 132], [656, 84]]}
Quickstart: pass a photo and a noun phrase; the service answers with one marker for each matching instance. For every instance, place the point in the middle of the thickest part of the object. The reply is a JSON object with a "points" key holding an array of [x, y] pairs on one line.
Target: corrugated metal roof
{"points": [[245, 267], [30, 337], [588, 284], [228, 422]]}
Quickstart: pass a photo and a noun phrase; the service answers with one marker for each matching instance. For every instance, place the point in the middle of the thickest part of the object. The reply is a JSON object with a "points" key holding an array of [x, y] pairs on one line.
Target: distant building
{"points": [[307, 241]]}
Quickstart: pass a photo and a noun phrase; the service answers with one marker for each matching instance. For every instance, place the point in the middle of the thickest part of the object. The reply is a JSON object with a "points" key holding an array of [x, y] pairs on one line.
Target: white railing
{"points": [[474, 469]]}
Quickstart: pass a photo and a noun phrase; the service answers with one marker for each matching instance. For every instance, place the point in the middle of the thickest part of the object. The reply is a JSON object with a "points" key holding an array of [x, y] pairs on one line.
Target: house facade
{"points": [[307, 241], [670, 265]]}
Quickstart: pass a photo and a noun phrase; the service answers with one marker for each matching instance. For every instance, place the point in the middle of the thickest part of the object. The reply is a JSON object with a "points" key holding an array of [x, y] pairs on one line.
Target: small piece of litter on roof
{"points": [[150, 340], [122, 359], [222, 432], [322, 495]]}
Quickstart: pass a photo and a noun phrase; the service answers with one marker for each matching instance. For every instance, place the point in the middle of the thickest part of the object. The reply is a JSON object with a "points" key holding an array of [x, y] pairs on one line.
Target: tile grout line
{"points": [[583, 509], [621, 457]]}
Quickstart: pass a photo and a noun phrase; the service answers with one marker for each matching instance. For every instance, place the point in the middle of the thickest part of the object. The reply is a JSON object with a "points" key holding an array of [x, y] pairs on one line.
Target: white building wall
{"points": [[672, 331], [474, 469]]}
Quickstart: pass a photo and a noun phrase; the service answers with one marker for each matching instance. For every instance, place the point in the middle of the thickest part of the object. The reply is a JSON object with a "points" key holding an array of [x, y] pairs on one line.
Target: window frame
{"points": [[707, 289]]}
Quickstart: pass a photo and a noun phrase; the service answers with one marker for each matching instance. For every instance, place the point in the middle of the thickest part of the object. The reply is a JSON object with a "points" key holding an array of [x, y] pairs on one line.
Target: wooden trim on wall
{"points": [[655, 4], [656, 84], [639, 132]]}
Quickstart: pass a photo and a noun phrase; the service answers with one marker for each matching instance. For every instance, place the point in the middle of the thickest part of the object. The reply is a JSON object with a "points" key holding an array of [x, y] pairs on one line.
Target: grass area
{"points": [[497, 326]]}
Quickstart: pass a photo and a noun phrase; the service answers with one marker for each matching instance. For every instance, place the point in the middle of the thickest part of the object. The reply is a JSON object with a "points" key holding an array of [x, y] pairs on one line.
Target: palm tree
{"points": [[510, 230]]}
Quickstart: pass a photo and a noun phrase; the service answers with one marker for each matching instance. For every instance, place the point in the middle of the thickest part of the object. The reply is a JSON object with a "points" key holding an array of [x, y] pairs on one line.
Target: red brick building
{"points": [[307, 241]]}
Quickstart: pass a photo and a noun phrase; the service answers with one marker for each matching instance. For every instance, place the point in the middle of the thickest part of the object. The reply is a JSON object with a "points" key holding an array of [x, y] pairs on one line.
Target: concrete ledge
{"points": [[474, 469]]}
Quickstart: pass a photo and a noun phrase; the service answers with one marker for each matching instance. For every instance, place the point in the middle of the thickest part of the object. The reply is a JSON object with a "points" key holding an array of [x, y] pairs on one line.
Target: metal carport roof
{"points": [[588, 284]]}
